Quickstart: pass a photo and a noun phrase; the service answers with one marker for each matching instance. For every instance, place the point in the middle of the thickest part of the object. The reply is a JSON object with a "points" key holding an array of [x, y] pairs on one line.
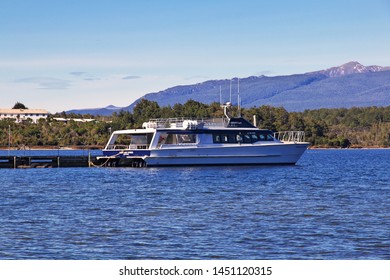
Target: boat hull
{"points": [[238, 155]]}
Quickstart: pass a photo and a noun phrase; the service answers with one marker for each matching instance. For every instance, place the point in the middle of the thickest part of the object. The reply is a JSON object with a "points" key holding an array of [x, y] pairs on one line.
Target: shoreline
{"points": [[51, 148], [349, 148], [73, 148]]}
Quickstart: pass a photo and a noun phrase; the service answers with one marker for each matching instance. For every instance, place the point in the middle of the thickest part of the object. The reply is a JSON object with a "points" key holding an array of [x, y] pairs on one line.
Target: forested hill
{"points": [[354, 127], [349, 85]]}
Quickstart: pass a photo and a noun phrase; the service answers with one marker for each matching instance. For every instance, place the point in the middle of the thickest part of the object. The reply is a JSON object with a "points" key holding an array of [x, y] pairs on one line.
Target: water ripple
{"points": [[332, 205]]}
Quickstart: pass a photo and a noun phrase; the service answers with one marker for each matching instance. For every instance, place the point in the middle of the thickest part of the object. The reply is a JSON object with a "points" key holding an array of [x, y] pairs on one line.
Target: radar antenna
{"points": [[225, 107]]}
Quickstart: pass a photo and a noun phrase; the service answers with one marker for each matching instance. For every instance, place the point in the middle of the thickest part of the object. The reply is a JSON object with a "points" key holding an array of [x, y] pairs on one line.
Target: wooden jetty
{"points": [[47, 161]]}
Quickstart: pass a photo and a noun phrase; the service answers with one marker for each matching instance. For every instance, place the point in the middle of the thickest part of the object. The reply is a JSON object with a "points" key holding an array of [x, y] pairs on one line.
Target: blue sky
{"points": [[61, 55]]}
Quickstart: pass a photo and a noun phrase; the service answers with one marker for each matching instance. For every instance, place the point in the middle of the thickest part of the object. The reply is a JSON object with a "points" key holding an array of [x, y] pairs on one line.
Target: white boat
{"points": [[186, 142]]}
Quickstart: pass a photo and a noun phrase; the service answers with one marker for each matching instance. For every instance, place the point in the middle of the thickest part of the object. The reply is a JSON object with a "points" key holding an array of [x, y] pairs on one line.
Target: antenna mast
{"points": [[220, 95], [230, 91], [238, 97]]}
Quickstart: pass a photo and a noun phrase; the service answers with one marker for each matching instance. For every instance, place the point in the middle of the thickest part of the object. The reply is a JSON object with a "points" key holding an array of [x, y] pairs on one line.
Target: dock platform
{"points": [[47, 161]]}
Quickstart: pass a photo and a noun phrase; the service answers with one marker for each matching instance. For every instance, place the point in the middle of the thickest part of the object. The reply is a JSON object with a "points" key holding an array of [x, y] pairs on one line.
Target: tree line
{"points": [[354, 127]]}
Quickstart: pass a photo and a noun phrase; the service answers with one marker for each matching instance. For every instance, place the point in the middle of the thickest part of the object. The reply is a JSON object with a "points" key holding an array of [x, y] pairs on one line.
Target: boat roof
{"points": [[183, 124]]}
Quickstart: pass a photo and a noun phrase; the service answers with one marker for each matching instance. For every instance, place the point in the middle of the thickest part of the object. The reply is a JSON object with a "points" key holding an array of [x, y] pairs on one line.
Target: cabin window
{"points": [[170, 139], [217, 138], [162, 139], [225, 138], [139, 142], [262, 137], [232, 138], [247, 138], [132, 141], [186, 138], [122, 142], [176, 139]]}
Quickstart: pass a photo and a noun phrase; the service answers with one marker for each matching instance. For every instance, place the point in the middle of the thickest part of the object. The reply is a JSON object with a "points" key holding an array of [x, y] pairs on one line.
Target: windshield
{"points": [[130, 141]]}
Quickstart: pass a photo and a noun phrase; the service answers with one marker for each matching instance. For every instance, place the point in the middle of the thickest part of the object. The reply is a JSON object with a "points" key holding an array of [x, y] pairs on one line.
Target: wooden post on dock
{"points": [[14, 162], [89, 159], [58, 162]]}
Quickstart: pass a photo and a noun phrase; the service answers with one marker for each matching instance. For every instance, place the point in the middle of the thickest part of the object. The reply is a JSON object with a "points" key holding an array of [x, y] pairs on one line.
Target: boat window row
{"points": [[242, 137], [142, 141]]}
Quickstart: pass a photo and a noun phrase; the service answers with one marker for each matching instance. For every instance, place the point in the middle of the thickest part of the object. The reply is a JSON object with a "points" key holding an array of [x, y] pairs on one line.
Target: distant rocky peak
{"points": [[351, 67], [112, 107]]}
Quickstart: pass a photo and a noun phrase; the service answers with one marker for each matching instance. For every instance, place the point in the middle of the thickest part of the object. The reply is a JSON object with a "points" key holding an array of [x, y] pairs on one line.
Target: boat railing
{"points": [[116, 147], [126, 147], [185, 123], [290, 136], [215, 122], [164, 123]]}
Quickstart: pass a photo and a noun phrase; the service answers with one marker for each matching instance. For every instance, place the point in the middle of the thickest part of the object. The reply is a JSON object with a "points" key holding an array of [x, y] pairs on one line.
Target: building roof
{"points": [[24, 111]]}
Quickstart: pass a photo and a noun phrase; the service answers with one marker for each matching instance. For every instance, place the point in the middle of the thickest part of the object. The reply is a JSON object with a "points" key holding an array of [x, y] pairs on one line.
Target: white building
{"points": [[20, 115], [65, 120]]}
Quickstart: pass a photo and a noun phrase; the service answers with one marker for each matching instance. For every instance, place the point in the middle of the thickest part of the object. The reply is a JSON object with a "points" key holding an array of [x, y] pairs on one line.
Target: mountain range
{"points": [[349, 85]]}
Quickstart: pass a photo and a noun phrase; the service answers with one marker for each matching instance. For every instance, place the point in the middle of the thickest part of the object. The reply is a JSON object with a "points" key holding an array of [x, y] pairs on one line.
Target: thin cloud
{"points": [[92, 79], [265, 73], [197, 77], [130, 77], [45, 82], [77, 73]]}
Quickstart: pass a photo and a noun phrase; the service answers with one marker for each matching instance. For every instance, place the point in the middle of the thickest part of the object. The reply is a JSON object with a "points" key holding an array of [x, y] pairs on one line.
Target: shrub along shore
{"points": [[363, 127]]}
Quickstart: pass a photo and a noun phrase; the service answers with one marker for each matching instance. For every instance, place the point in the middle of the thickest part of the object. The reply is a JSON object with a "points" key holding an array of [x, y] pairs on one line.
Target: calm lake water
{"points": [[334, 204]]}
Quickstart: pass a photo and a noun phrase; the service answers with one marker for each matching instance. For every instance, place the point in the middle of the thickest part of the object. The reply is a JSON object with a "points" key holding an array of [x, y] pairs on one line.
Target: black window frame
{"points": [[247, 137]]}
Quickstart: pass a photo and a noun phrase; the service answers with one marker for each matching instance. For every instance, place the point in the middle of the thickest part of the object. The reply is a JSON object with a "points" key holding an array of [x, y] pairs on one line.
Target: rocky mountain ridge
{"points": [[349, 85]]}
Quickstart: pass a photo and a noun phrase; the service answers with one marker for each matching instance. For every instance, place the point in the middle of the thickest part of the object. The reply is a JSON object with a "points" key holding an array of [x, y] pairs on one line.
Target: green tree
{"points": [[195, 109], [145, 110], [19, 105], [355, 127]]}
